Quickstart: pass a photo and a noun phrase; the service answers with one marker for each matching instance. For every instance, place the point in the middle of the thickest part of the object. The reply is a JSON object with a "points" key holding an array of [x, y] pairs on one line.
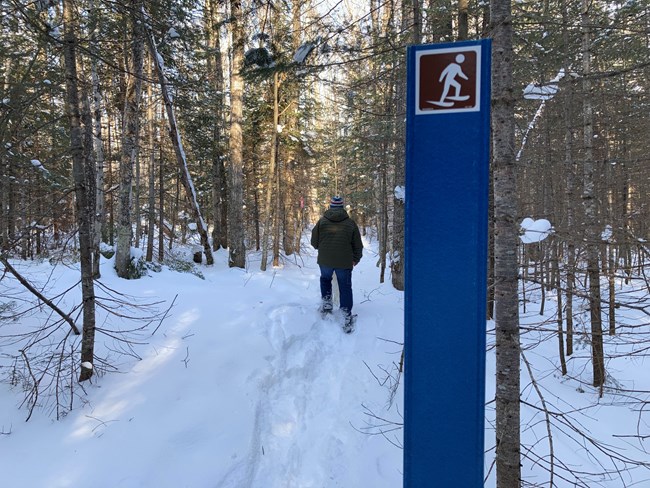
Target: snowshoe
{"points": [[349, 324], [326, 309]]}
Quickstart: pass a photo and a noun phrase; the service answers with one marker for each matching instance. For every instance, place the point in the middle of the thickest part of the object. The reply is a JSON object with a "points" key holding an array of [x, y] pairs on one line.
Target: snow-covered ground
{"points": [[243, 385]]}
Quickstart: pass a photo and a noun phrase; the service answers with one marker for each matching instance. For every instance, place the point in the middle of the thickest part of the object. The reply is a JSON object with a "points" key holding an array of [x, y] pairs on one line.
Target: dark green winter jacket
{"points": [[337, 238]]}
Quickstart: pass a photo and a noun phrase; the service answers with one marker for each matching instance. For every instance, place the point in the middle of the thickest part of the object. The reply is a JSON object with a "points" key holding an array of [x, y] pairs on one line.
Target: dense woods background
{"points": [[144, 125]]}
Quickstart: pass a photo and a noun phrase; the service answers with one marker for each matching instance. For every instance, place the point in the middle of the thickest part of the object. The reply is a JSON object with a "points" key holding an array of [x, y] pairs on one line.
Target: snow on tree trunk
{"points": [[175, 136], [508, 451]]}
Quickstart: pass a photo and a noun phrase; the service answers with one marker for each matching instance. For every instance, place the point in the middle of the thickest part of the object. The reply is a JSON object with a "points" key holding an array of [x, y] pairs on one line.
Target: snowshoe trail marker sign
{"points": [[448, 80], [447, 158]]}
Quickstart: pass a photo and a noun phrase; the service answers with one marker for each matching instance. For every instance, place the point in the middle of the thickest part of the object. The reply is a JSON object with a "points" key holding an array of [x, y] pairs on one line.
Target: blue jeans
{"points": [[344, 279]]}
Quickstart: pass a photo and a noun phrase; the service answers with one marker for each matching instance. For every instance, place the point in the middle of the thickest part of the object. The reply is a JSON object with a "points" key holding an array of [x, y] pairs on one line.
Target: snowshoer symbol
{"points": [[448, 78]]}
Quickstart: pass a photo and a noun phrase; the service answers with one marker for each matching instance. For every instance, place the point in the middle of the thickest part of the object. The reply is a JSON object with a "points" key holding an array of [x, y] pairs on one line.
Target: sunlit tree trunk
{"points": [[237, 248]]}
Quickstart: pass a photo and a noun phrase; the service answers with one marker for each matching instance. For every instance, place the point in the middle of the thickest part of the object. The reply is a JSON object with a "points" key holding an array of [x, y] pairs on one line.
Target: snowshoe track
{"points": [[285, 433]]}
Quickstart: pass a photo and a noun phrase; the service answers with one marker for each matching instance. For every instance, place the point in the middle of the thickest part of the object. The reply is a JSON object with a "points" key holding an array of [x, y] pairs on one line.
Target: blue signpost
{"points": [[447, 158]]}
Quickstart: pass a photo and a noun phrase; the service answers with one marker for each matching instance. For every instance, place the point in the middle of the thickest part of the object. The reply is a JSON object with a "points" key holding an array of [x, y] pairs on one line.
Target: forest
{"points": [[131, 128]]}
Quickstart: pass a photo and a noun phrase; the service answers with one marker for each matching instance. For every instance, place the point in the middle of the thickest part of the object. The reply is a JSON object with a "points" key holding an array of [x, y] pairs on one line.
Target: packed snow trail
{"points": [[298, 423], [309, 413], [304, 435]]}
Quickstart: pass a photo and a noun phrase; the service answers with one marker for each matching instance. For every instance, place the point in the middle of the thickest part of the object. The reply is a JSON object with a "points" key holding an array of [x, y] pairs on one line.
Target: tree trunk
{"points": [[136, 203], [82, 196], [505, 251], [592, 231], [410, 13], [569, 169], [90, 175], [557, 283], [278, 204], [110, 232], [161, 209], [215, 75], [490, 264], [237, 248], [100, 218], [130, 144], [383, 218], [293, 155], [153, 143], [269, 219], [463, 25]]}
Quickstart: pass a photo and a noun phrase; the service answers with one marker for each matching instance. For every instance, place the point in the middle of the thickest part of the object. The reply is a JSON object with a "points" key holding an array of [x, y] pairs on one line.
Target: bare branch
{"points": [[38, 294]]}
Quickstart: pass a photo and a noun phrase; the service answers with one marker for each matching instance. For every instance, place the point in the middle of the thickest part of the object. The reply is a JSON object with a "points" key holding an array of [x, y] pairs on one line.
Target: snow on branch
{"points": [[534, 230], [302, 52], [544, 93]]}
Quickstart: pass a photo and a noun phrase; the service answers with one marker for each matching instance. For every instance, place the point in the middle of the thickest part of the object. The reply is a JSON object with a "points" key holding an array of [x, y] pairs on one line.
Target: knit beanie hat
{"points": [[336, 202]]}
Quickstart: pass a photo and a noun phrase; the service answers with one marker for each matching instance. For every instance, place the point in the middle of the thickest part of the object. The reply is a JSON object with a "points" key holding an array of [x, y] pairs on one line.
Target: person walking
{"points": [[338, 241]]}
